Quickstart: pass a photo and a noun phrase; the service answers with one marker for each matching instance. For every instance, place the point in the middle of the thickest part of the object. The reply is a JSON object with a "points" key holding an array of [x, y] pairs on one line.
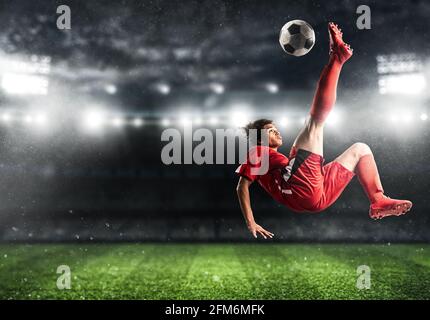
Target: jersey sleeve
{"points": [[254, 167], [244, 170]]}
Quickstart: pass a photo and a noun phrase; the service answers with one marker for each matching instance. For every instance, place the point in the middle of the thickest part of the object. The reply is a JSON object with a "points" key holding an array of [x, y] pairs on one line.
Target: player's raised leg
{"points": [[359, 159], [310, 137]]}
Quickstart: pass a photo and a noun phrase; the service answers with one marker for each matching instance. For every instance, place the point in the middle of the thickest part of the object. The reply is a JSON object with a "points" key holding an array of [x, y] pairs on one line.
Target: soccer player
{"points": [[302, 182]]}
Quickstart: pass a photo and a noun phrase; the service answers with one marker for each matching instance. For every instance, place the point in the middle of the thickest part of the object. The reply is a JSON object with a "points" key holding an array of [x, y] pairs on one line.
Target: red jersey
{"points": [[270, 179], [300, 182]]}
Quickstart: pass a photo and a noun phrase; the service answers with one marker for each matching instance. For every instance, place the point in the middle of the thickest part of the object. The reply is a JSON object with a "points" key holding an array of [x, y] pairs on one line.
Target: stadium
{"points": [[88, 209]]}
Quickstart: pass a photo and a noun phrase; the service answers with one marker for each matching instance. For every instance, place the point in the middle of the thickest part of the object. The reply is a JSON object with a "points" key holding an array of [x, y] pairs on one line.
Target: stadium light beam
{"points": [[22, 84], [213, 121], [111, 89], [406, 118], [165, 122], [217, 88], [41, 119], [6, 117], [283, 122], [28, 119], [239, 119], [185, 121], [137, 122], [410, 84], [272, 88], [394, 118], [163, 88], [118, 122], [93, 120], [333, 119]]}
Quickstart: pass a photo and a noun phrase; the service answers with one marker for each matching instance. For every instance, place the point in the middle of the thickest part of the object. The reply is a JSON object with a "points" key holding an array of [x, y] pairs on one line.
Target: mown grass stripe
{"points": [[216, 273]]}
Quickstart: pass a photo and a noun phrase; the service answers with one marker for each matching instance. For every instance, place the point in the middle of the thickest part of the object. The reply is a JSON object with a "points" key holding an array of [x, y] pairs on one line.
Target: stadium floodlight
{"points": [[413, 83], [394, 118], [163, 88], [400, 74], [6, 117], [41, 119], [110, 88], [423, 116], [272, 87], [213, 121], [28, 119], [198, 121], [118, 122], [398, 63], [34, 65], [218, 88], [21, 84], [185, 121], [406, 118], [333, 118], [283, 122], [137, 122], [165, 122], [94, 119], [239, 119]]}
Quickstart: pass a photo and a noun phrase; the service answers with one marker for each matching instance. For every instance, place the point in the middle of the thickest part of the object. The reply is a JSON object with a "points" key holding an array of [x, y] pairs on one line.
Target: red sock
{"points": [[325, 95], [368, 175]]}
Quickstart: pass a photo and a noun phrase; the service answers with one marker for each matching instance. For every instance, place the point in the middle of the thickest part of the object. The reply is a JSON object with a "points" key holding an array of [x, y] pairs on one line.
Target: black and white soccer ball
{"points": [[297, 37]]}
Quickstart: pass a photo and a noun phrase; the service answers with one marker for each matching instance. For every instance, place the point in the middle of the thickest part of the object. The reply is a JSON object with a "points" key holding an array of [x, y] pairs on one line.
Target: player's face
{"points": [[275, 138]]}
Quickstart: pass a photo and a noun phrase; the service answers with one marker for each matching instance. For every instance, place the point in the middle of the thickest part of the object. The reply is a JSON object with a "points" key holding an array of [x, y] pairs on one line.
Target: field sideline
{"points": [[214, 271]]}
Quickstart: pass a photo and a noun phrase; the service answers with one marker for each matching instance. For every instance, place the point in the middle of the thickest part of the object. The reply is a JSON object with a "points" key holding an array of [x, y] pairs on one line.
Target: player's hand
{"points": [[257, 229]]}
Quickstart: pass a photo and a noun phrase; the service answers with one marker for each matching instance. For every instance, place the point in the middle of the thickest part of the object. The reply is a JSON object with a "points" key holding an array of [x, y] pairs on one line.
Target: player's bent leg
{"points": [[325, 94], [310, 137], [359, 159], [351, 156]]}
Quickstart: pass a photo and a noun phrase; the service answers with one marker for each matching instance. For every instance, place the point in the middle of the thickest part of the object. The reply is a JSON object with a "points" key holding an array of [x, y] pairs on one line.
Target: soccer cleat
{"points": [[386, 207], [341, 50]]}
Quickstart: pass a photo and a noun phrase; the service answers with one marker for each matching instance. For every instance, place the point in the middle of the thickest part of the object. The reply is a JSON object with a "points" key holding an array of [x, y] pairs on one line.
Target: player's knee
{"points": [[360, 149]]}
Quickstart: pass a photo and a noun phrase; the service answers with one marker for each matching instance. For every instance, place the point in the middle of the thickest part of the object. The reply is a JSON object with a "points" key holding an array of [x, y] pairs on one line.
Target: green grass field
{"points": [[214, 271]]}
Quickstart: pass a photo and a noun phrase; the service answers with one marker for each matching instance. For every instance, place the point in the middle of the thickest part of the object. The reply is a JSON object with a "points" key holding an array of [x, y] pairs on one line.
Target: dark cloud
{"points": [[183, 42]]}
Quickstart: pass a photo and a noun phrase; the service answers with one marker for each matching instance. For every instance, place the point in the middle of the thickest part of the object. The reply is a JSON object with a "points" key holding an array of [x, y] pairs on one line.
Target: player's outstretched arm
{"points": [[245, 205]]}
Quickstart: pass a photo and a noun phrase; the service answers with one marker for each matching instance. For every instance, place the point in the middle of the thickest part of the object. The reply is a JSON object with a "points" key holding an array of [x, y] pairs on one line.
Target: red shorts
{"points": [[313, 186]]}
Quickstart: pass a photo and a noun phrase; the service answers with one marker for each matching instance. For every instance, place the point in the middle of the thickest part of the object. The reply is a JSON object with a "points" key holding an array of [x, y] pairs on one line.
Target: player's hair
{"points": [[258, 125]]}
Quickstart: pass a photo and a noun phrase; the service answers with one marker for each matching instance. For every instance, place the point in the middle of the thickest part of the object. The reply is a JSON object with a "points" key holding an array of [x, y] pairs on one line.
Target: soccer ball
{"points": [[297, 37]]}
